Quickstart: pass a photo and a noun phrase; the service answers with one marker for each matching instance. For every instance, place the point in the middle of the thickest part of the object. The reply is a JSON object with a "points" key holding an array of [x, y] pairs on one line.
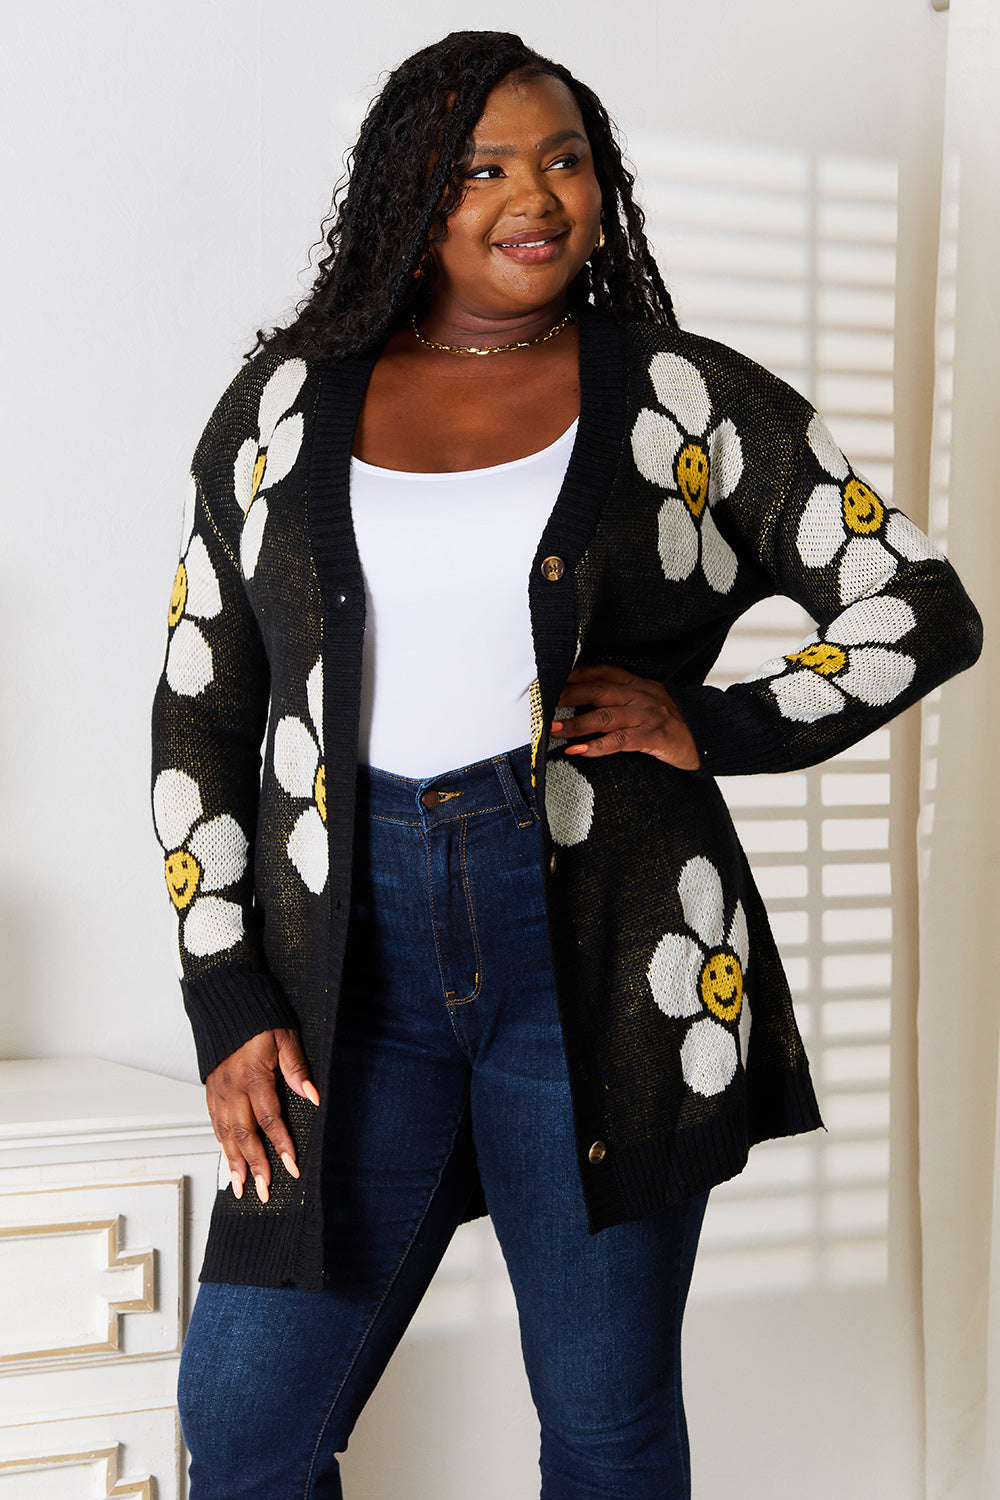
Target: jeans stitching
{"points": [[381, 1303], [473, 928], [513, 792]]}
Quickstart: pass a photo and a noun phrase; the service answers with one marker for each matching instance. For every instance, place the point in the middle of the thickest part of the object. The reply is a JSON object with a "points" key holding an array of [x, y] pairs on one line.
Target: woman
{"points": [[542, 957]]}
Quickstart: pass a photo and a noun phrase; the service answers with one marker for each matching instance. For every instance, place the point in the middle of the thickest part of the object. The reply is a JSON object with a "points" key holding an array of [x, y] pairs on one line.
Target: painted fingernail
{"points": [[557, 723], [237, 1184], [261, 1186], [289, 1162], [309, 1090]]}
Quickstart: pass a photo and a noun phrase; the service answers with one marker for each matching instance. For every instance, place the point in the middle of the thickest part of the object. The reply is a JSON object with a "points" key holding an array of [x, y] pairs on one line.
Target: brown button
{"points": [[597, 1153], [552, 865], [430, 799], [553, 569]]}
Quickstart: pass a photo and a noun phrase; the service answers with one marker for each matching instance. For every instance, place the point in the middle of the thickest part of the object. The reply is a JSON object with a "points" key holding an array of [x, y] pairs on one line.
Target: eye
{"points": [[484, 174], [569, 160]]}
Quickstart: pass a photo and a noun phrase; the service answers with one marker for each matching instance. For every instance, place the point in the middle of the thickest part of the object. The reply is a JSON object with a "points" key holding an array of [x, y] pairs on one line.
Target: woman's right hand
{"points": [[242, 1100]]}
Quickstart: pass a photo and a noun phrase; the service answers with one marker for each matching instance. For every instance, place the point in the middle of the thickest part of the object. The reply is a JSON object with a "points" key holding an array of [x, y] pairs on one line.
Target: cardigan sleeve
{"points": [[893, 620], [209, 719]]}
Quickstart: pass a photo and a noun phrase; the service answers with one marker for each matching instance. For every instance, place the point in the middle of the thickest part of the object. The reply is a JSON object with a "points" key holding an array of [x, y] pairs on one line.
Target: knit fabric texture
{"points": [[698, 484]]}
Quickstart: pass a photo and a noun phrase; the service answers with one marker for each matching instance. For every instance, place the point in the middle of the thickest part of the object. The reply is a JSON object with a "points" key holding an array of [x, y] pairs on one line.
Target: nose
{"points": [[531, 196]]}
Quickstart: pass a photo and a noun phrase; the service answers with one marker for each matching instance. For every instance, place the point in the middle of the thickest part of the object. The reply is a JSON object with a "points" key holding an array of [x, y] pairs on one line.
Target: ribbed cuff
{"points": [[227, 1008], [735, 734]]}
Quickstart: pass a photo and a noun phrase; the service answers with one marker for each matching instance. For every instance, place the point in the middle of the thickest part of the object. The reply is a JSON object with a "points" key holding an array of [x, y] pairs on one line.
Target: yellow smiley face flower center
{"points": [[692, 477], [178, 595], [863, 510], [721, 984], [183, 874], [821, 657], [319, 790], [258, 475]]}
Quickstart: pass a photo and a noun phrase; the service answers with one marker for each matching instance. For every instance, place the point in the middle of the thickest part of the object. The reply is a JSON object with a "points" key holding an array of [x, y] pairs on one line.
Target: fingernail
{"points": [[309, 1090], [289, 1162], [261, 1189], [237, 1184], [557, 723]]}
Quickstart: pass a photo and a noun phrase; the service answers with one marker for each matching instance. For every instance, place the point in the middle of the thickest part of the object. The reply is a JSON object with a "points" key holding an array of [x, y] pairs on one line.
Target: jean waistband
{"points": [[501, 783]]}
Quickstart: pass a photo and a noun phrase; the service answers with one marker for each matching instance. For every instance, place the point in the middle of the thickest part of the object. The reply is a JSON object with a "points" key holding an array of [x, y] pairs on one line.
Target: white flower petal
{"points": [[190, 506], [718, 560], [283, 450], [204, 601], [821, 527], [708, 1058], [864, 568], [308, 851], [243, 474], [876, 675], [769, 668], [220, 847], [296, 757], [744, 1028], [314, 698], [176, 805], [828, 455], [673, 974], [655, 445], [252, 536], [278, 395], [739, 936], [883, 619], [569, 803], [680, 388], [806, 697], [725, 461], [700, 890], [908, 540], [212, 926], [677, 540], [189, 660]]}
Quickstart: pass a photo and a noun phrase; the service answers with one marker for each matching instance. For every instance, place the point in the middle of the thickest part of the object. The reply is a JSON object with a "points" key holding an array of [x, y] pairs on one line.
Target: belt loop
{"points": [[523, 815]]}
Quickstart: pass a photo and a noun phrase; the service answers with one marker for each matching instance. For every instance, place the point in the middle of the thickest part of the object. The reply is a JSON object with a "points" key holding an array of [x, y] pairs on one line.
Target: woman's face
{"points": [[531, 213]]}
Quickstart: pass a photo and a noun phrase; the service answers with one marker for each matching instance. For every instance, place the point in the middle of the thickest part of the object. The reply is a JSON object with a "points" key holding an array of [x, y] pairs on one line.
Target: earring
{"points": [[425, 266], [600, 241]]}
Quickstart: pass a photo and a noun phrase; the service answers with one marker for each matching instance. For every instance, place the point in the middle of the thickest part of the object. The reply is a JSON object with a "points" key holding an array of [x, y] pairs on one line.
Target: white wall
{"points": [[169, 164]]}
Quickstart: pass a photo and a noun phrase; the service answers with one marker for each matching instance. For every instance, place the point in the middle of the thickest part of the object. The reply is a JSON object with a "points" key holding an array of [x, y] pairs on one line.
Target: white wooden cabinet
{"points": [[107, 1179]]}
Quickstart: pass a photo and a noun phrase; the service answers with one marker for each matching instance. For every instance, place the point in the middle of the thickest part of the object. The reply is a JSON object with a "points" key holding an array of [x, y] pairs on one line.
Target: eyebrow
{"points": [[549, 141]]}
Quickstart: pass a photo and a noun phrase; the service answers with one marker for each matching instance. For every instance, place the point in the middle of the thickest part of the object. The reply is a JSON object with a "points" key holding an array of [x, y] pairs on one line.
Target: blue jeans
{"points": [[448, 1058]]}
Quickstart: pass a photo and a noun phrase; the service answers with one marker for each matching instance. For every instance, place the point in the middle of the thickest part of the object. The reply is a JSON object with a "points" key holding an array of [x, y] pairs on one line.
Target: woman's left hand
{"points": [[626, 713]]}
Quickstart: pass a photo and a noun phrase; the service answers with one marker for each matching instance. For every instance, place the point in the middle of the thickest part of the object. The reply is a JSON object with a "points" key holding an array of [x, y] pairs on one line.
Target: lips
{"points": [[530, 247]]}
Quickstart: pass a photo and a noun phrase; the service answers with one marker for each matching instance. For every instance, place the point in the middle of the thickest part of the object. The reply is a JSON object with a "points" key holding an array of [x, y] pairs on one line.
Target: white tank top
{"points": [[448, 658]]}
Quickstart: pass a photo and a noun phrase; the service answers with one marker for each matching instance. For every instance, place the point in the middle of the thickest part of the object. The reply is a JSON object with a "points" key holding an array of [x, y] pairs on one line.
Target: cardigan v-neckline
{"points": [[592, 465], [588, 481]]}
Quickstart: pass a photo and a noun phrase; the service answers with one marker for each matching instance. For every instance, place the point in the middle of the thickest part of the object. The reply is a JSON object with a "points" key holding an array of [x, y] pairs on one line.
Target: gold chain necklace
{"points": [[494, 348]]}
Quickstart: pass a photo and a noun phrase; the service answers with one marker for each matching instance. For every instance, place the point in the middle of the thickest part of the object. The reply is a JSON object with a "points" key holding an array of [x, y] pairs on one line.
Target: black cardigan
{"points": [[698, 484]]}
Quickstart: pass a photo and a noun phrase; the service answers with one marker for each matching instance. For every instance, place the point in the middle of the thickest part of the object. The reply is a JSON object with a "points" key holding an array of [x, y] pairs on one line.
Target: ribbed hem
{"points": [[227, 1008], [733, 732], [641, 1178], [256, 1248]]}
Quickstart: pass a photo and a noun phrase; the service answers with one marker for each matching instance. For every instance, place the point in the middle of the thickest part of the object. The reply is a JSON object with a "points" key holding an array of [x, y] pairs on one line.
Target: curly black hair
{"points": [[390, 208]]}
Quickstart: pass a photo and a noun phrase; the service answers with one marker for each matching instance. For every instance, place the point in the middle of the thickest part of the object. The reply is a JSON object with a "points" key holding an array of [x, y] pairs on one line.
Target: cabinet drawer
{"points": [[131, 1453], [91, 1272]]}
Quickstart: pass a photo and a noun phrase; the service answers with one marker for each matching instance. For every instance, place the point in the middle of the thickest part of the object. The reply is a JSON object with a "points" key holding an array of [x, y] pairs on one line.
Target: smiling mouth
{"points": [[546, 239]]}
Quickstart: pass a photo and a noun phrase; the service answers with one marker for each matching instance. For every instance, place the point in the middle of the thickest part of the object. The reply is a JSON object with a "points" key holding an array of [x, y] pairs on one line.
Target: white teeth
{"points": [[524, 245]]}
